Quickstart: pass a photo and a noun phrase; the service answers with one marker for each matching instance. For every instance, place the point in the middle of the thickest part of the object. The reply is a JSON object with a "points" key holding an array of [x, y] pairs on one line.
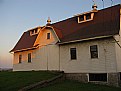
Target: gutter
{"points": [[85, 39], [24, 49]]}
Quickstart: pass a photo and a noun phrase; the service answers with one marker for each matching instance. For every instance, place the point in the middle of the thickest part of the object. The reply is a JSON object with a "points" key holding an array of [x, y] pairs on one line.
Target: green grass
{"points": [[69, 85], [12, 81]]}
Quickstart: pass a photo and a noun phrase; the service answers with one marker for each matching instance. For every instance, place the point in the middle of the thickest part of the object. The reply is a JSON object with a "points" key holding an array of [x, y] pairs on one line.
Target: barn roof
{"points": [[106, 22]]}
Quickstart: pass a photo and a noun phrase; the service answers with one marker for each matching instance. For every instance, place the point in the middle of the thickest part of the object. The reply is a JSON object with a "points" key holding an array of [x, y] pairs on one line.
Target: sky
{"points": [[17, 16]]}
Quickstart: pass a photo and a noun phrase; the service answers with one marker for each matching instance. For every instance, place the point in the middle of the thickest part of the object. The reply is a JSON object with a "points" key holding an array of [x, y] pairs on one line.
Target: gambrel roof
{"points": [[106, 22]]}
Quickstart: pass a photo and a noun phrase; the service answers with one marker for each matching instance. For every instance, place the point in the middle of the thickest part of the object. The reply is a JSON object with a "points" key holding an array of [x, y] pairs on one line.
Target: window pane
{"points": [[73, 53], [81, 18], [88, 16], [98, 77], [29, 57], [35, 30], [20, 58], [32, 32], [48, 35], [94, 51]]}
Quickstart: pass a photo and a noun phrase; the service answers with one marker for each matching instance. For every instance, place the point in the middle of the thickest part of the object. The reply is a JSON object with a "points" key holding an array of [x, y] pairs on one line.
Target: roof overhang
{"points": [[85, 39], [26, 49]]}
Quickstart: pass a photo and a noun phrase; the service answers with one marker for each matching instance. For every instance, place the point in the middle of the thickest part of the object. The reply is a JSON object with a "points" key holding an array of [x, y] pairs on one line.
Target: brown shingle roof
{"points": [[106, 22], [26, 41]]}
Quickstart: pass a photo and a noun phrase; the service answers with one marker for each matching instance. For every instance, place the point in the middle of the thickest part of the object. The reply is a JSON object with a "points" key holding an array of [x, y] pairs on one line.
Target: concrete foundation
{"points": [[112, 78]]}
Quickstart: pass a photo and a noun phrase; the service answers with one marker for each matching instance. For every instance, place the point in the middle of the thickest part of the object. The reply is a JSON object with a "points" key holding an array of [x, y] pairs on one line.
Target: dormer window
{"points": [[88, 16], [85, 17], [36, 31], [33, 32], [81, 18]]}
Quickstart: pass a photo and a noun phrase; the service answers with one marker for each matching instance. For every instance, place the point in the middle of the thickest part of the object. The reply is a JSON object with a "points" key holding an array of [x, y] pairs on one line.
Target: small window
{"points": [[29, 58], [32, 32], [36, 31], [73, 53], [98, 77], [88, 16], [48, 35], [81, 18], [94, 51], [20, 58]]}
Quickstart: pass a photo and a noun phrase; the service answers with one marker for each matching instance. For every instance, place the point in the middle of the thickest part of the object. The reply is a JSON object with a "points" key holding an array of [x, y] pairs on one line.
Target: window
{"points": [[81, 18], [29, 58], [20, 58], [98, 77], [94, 51], [32, 32], [88, 16], [73, 53], [36, 30], [85, 17], [48, 35]]}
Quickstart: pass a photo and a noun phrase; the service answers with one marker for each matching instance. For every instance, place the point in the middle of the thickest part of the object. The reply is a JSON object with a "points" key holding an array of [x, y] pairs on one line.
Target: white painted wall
{"points": [[44, 58], [118, 47], [84, 64]]}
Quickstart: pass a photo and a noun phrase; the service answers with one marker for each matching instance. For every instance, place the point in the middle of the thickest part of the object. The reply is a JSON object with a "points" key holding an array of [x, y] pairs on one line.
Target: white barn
{"points": [[87, 47]]}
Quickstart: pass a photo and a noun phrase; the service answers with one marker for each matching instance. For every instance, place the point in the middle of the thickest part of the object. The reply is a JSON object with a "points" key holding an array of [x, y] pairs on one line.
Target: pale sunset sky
{"points": [[17, 16]]}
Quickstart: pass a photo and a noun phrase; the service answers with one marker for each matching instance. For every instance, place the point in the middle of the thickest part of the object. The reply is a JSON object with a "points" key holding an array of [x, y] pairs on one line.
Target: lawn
{"points": [[12, 81], [69, 85]]}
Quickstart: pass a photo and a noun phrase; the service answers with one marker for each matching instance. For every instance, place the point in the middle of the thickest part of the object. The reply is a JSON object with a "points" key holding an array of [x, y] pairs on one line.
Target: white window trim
{"points": [[98, 81], [90, 53], [70, 54], [92, 16], [31, 34]]}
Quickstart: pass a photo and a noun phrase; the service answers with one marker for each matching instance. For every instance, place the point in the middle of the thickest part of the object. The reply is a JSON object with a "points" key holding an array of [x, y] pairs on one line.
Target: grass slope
{"points": [[12, 81], [69, 85]]}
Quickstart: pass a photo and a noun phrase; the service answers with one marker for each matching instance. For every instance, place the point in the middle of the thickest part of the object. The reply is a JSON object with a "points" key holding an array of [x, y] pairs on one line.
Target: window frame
{"points": [[87, 15], [73, 56], [29, 57], [94, 52], [81, 16], [48, 36], [101, 79], [20, 59], [85, 19]]}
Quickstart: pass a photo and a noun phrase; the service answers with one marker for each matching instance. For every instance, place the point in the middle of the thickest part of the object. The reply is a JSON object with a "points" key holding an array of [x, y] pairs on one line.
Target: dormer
{"points": [[34, 31], [87, 16]]}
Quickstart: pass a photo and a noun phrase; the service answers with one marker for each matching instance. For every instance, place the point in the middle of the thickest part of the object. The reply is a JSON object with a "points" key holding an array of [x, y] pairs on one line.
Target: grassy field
{"points": [[12, 81], [68, 85]]}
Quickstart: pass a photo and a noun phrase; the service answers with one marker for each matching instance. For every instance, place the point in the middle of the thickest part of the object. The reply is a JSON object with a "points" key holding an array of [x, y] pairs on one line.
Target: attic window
{"points": [[81, 18], [85, 17], [88, 16], [33, 32], [48, 35]]}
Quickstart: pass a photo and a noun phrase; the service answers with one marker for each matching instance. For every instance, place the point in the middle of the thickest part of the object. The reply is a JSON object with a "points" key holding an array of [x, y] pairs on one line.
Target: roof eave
{"points": [[85, 39], [23, 49]]}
